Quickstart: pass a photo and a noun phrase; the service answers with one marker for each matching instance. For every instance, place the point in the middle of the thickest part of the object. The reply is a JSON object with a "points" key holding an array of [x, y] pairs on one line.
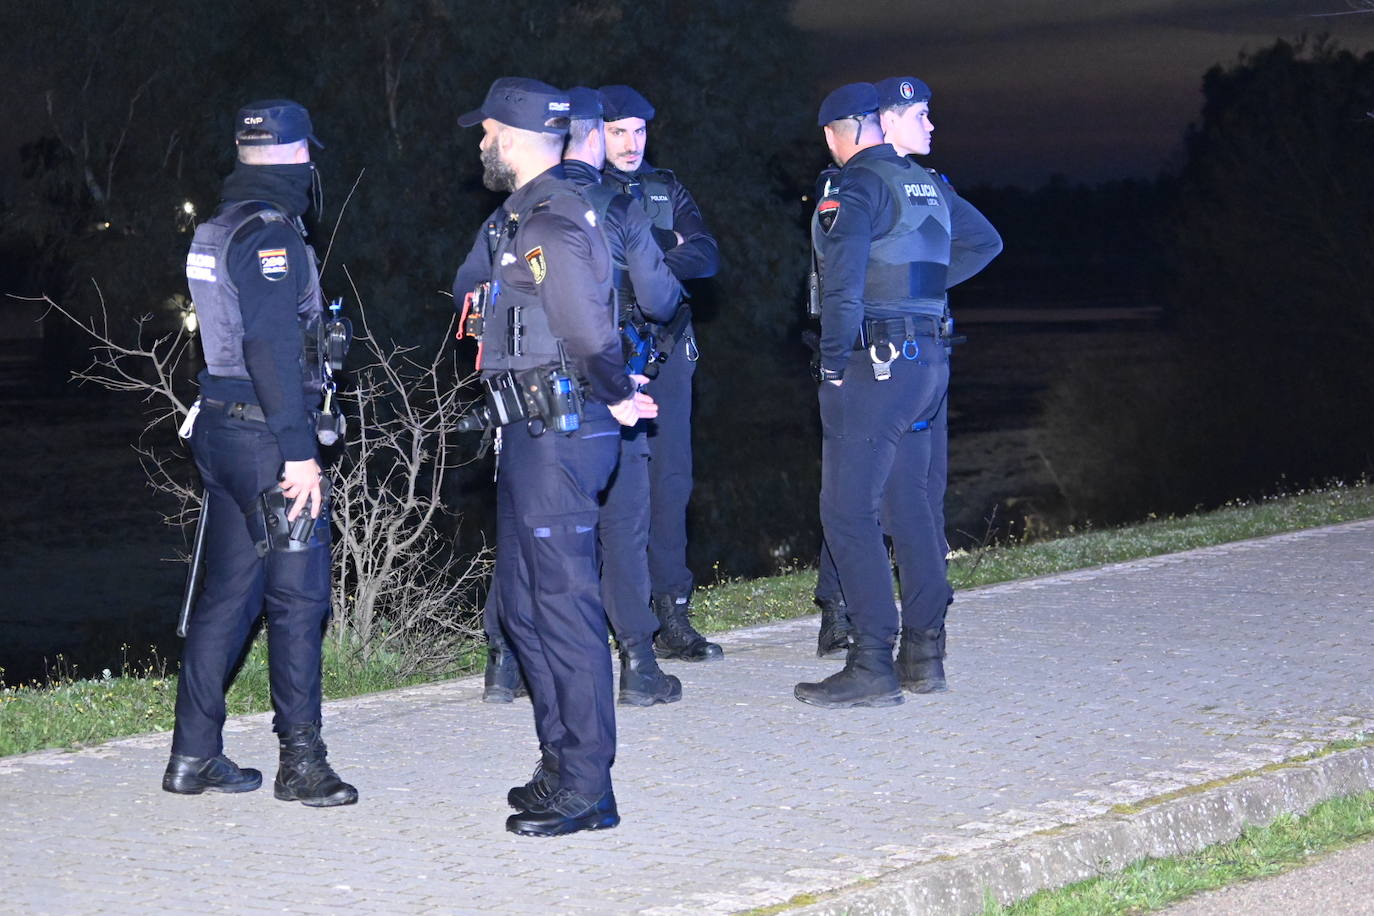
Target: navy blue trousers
{"points": [[623, 532], [237, 460], [547, 579], [670, 470], [875, 477], [828, 587]]}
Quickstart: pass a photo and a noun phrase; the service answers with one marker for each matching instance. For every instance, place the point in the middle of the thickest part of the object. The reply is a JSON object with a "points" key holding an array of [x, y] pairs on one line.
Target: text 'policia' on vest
{"points": [[909, 264]]}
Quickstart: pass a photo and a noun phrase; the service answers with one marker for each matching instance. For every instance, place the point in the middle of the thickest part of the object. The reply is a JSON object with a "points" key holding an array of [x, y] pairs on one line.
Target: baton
{"points": [[188, 597]]}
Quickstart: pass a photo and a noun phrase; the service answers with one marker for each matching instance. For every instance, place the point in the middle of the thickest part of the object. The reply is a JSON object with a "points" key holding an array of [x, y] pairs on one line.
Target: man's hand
{"points": [[667, 239], [300, 481], [638, 406]]}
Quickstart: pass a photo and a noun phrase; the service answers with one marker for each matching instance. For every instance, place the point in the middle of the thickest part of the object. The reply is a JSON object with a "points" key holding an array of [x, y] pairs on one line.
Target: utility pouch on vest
{"points": [[548, 397], [274, 533], [338, 337], [515, 333], [472, 322]]}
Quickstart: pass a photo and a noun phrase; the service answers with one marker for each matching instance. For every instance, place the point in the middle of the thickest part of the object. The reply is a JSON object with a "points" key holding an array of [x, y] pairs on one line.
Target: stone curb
{"points": [[1014, 871]]}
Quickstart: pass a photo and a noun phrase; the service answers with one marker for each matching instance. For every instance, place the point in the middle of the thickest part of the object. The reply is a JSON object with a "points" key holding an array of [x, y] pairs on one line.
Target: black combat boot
{"points": [[642, 682], [541, 787], [304, 775], [920, 661], [867, 679], [566, 812], [675, 637], [834, 635], [502, 682], [194, 775]]}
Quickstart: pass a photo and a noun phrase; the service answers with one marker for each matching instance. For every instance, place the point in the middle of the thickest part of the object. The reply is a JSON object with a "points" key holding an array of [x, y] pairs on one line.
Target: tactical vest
{"points": [[600, 196], [907, 265], [216, 297], [654, 193], [538, 346]]}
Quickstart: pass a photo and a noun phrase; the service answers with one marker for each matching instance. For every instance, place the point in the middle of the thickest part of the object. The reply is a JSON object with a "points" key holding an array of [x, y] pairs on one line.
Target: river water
{"points": [[89, 571]]}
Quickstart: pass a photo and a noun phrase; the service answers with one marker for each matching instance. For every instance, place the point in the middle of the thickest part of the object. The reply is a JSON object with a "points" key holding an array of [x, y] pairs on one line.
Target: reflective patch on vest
{"points": [[507, 259], [272, 263], [591, 218], [200, 267], [535, 258], [826, 214], [923, 193]]}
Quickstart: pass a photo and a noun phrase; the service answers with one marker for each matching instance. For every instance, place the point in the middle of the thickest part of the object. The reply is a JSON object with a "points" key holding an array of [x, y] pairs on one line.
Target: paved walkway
{"points": [[1071, 694]]}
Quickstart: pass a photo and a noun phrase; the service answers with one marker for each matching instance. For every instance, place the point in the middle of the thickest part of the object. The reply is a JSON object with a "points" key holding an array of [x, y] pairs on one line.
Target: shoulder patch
{"points": [[272, 262], [535, 259], [826, 213]]}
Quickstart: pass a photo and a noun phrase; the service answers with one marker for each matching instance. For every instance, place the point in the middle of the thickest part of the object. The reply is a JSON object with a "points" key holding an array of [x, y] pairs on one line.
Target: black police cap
{"points": [[623, 102], [283, 120], [524, 103], [848, 101], [901, 90]]}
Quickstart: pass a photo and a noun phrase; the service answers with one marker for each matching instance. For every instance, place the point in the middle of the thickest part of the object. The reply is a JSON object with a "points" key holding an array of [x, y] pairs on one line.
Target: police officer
{"points": [[691, 253], [646, 292], [882, 240], [551, 273], [256, 289], [904, 114]]}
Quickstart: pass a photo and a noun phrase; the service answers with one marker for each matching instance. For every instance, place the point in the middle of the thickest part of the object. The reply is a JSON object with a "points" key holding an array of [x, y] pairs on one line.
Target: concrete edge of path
{"points": [[1177, 826]]}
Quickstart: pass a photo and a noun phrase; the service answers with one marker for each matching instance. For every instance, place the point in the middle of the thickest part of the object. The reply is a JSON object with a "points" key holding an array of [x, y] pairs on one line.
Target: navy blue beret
{"points": [[901, 90], [624, 102], [847, 101]]}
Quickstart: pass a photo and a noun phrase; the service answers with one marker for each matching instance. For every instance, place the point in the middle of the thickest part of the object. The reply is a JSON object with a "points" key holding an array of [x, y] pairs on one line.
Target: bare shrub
{"points": [[399, 590]]}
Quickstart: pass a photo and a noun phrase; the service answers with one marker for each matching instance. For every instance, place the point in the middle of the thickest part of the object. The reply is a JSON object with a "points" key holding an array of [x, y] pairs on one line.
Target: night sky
{"points": [[1027, 88]]}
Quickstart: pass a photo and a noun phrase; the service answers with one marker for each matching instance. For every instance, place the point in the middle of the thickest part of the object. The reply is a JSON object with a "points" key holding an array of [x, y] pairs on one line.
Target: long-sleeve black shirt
{"points": [[630, 237], [574, 288], [698, 256]]}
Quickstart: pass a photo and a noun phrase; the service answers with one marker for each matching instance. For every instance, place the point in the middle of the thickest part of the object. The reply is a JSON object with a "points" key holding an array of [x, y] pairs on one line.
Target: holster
{"points": [[274, 533]]}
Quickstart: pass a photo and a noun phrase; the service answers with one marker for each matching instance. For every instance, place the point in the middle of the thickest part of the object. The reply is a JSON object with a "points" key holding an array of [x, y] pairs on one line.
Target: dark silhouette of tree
{"points": [[1264, 375], [142, 97]]}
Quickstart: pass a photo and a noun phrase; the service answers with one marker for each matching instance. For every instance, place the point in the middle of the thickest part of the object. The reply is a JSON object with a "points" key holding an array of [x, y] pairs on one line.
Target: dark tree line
{"points": [[135, 103], [1263, 374]]}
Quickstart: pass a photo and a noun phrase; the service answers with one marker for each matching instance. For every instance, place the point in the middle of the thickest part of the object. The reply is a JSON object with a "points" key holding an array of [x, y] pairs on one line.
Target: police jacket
{"points": [[670, 208], [642, 278], [545, 257], [885, 236], [255, 285]]}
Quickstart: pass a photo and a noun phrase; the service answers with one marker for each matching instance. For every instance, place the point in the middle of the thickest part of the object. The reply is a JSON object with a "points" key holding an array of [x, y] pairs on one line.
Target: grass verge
{"points": [[740, 603], [1286, 843], [71, 713]]}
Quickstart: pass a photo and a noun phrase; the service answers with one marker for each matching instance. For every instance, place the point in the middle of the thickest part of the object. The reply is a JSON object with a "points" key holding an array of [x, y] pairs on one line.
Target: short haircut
{"points": [[540, 139], [269, 153], [900, 108], [860, 122], [579, 129]]}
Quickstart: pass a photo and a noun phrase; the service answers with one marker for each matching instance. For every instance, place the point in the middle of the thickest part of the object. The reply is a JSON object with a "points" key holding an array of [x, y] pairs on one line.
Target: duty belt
{"points": [[239, 410], [877, 330]]}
